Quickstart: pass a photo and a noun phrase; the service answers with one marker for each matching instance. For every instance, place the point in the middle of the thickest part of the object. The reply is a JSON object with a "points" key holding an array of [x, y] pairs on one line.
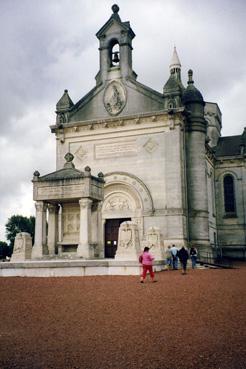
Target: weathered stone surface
{"points": [[22, 247], [155, 242], [128, 245]]}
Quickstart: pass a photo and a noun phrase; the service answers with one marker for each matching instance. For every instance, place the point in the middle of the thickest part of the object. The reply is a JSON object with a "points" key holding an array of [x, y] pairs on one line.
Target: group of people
{"points": [[173, 254]]}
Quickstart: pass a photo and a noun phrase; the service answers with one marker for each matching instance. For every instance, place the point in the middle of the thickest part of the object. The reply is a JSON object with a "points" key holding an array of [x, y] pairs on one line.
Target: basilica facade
{"points": [[127, 154]]}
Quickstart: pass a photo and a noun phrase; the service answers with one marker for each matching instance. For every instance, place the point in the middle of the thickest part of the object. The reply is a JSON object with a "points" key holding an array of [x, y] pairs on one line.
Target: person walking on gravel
{"points": [[146, 259], [193, 256], [183, 256]]}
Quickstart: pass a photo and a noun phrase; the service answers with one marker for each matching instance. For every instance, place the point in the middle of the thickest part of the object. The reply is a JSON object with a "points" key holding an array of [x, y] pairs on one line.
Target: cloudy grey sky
{"points": [[50, 45]]}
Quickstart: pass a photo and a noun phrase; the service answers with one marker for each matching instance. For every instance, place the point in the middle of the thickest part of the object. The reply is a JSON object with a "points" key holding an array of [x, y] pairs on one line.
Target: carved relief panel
{"points": [[71, 222], [114, 98]]}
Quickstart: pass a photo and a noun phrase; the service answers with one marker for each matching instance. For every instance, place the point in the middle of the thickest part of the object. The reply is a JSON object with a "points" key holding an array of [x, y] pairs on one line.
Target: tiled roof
{"points": [[228, 146]]}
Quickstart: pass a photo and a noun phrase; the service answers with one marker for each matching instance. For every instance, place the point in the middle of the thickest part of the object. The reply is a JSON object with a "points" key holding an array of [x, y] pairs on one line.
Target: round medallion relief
{"points": [[114, 98]]}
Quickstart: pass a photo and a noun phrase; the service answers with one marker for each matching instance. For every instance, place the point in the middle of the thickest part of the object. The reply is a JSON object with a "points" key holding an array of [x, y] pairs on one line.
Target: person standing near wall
{"points": [[169, 257], [193, 256], [183, 256], [174, 252]]}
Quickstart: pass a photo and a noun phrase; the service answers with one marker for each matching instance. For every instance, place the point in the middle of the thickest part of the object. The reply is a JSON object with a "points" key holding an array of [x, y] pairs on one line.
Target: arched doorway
{"points": [[125, 198]]}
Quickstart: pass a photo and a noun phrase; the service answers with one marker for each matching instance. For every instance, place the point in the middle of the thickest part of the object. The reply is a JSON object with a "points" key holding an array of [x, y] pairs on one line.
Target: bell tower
{"points": [[115, 47]]}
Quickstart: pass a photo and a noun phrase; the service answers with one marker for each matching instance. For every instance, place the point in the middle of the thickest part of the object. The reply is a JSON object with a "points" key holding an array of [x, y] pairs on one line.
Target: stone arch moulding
{"points": [[125, 194], [228, 172]]}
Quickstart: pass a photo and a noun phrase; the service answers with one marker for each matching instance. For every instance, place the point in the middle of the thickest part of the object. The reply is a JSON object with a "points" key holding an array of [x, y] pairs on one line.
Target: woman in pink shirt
{"points": [[146, 259]]}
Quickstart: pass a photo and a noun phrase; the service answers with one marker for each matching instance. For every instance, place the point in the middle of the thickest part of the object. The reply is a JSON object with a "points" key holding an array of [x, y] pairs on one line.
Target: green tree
{"points": [[17, 224], [4, 250]]}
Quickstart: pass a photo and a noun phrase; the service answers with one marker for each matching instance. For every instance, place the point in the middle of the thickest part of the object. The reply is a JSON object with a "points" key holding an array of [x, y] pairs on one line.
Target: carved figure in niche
{"points": [[115, 102], [114, 98]]}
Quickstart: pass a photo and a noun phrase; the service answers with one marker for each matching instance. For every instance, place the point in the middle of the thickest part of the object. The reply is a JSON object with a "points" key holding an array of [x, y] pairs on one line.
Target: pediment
{"points": [[114, 99], [114, 24]]}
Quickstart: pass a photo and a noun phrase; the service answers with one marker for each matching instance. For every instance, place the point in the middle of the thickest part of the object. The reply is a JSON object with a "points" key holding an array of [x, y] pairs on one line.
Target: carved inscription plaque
{"points": [[60, 192], [117, 149]]}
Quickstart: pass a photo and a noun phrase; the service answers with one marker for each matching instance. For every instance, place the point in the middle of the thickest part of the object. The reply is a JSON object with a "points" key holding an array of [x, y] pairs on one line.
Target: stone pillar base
{"points": [[84, 251], [39, 251]]}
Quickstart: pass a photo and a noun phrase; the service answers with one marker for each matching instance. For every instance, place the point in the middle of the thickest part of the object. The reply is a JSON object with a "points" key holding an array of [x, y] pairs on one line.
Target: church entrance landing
{"points": [[111, 235]]}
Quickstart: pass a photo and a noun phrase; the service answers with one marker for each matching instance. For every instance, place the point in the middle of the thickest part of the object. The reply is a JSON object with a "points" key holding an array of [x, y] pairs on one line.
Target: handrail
{"points": [[214, 258]]}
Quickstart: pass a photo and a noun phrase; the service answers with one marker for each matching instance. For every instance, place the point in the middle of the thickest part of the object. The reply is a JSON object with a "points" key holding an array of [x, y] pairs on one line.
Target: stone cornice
{"points": [[113, 122]]}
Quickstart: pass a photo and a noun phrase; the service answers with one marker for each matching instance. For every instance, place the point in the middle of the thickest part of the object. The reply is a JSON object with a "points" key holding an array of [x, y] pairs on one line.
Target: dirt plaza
{"points": [[182, 321]]}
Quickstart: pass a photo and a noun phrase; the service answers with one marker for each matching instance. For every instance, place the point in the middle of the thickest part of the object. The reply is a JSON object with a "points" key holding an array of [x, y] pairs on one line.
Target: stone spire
{"points": [[175, 62], [65, 102], [63, 107], [173, 88]]}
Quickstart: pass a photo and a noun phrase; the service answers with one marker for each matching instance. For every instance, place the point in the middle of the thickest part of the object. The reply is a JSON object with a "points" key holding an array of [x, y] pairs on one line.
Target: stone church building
{"points": [[152, 161]]}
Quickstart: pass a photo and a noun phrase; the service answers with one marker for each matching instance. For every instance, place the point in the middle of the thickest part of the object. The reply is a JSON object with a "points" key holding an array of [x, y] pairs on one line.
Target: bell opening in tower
{"points": [[114, 53]]}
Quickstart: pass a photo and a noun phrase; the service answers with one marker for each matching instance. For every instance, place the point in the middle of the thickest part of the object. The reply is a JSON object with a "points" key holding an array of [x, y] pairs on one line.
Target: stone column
{"points": [[60, 230], [197, 189], [102, 255], [40, 247], [100, 225], [52, 228], [83, 249]]}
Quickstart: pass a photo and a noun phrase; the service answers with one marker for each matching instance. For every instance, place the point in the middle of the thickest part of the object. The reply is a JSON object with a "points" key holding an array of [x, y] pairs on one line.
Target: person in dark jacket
{"points": [[183, 256], [193, 256]]}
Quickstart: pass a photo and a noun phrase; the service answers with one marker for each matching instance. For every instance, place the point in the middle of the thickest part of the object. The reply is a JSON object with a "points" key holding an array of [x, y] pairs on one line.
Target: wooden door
{"points": [[111, 235]]}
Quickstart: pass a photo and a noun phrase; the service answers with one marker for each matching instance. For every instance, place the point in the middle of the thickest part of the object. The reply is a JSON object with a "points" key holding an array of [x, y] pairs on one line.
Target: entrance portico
{"points": [[72, 199]]}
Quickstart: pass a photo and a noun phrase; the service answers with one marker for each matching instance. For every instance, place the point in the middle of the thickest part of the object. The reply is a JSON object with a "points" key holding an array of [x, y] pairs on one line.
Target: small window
{"points": [[229, 194]]}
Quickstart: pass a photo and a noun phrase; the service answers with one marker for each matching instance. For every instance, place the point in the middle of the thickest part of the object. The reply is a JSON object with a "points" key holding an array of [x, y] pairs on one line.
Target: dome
{"points": [[191, 93]]}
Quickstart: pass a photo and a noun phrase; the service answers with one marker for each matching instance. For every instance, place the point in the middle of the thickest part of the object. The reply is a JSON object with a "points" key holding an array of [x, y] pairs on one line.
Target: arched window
{"points": [[114, 53], [229, 194]]}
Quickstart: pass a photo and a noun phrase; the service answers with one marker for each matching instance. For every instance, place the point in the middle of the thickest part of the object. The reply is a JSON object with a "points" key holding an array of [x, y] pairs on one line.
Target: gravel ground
{"points": [[182, 321]]}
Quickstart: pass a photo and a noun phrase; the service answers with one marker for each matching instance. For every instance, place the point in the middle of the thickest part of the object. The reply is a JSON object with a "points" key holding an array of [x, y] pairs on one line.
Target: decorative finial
{"points": [[190, 75], [87, 171], [69, 157], [36, 173], [36, 176], [100, 175], [69, 160], [115, 8], [66, 91]]}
